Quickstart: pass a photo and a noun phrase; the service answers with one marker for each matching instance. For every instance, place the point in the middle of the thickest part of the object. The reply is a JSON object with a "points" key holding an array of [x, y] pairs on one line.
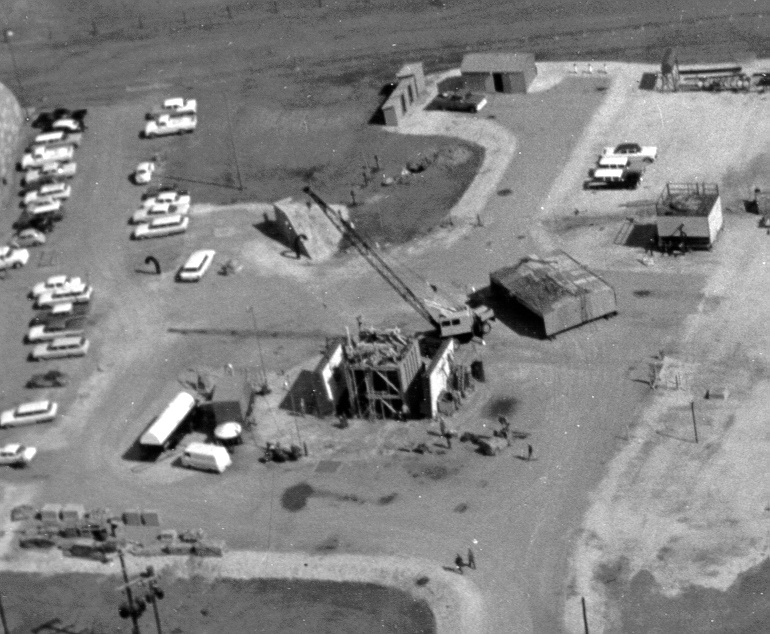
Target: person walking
{"points": [[529, 453], [448, 437], [471, 560], [459, 563]]}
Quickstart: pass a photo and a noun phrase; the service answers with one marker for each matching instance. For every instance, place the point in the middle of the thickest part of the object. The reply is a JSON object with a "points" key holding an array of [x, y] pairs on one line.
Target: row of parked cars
{"points": [[621, 166], [57, 331]]}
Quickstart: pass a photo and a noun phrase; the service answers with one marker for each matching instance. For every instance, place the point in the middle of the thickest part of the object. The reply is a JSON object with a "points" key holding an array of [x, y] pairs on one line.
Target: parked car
{"points": [[74, 294], [174, 106], [55, 282], [44, 206], [29, 413], [49, 191], [614, 179], [158, 210], [61, 348], [160, 227], [40, 155], [54, 171], [42, 222], [458, 101], [65, 309], [68, 124], [27, 238], [57, 137], [52, 378], [56, 328], [196, 266], [633, 151], [143, 173], [171, 196], [12, 258], [167, 124], [16, 455]]}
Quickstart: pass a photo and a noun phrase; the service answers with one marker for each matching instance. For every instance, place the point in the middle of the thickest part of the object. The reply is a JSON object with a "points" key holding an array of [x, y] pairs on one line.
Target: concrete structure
{"points": [[557, 288], [688, 215], [381, 370], [498, 72], [410, 85], [302, 226]]}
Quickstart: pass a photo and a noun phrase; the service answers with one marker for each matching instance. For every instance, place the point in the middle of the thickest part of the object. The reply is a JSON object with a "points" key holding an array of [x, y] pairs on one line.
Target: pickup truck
{"points": [[54, 170], [41, 155], [175, 105], [647, 153], [170, 124]]}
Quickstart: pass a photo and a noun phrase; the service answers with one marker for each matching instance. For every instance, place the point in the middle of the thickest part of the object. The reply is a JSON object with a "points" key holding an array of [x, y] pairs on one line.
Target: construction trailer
{"points": [[498, 72], [382, 368], [688, 216], [558, 289]]}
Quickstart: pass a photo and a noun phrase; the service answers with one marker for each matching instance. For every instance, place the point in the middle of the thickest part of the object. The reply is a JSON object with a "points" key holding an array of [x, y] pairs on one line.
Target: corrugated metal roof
{"points": [[496, 62], [540, 282]]}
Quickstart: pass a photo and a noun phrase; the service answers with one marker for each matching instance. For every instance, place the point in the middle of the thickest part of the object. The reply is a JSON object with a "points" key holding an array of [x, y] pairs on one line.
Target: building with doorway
{"points": [[410, 85], [304, 230], [558, 289], [688, 216], [498, 72]]}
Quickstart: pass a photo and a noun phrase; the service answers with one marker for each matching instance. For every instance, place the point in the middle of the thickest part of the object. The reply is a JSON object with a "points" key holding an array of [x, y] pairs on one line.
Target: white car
{"points": [[160, 227], [29, 413], [54, 170], [173, 197], [16, 455], [27, 238], [67, 124], [158, 210], [11, 258], [633, 151], [55, 282], [72, 295], [143, 173], [196, 266], [61, 348], [45, 154], [50, 191], [44, 206], [179, 104], [167, 124], [56, 329]]}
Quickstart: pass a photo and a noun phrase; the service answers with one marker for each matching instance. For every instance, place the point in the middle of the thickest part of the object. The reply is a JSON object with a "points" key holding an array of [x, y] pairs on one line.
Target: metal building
{"points": [[557, 288], [381, 368], [498, 72], [688, 215], [410, 85]]}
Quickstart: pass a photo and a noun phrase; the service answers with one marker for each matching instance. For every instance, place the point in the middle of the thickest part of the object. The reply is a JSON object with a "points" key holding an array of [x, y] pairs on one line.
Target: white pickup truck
{"points": [[646, 153], [170, 124], [41, 155]]}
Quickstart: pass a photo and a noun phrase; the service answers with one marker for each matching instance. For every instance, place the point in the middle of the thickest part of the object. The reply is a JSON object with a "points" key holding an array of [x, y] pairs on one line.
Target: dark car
{"points": [[458, 101], [154, 191], [42, 222], [52, 378], [45, 317]]}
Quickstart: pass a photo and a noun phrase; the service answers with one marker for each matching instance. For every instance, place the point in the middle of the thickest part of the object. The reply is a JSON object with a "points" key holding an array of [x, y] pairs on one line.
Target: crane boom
{"points": [[374, 258]]}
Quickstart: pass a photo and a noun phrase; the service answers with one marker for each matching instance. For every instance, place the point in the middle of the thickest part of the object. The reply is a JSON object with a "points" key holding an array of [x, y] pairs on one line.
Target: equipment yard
{"points": [[598, 463]]}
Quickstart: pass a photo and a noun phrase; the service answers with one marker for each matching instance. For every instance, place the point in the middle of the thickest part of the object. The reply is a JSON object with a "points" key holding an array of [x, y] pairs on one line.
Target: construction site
{"points": [[384, 366]]}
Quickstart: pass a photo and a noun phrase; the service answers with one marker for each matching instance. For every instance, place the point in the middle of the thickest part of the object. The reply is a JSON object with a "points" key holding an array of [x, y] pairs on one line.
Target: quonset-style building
{"points": [[557, 288], [688, 214], [498, 72]]}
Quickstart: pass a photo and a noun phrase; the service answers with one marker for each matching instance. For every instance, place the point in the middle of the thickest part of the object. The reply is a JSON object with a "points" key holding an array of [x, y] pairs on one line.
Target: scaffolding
{"points": [[380, 371]]}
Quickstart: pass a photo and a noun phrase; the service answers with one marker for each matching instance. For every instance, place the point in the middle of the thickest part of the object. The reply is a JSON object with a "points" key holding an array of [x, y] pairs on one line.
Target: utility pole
{"points": [[585, 614], [2, 616], [132, 611], [232, 142], [265, 388], [694, 422]]}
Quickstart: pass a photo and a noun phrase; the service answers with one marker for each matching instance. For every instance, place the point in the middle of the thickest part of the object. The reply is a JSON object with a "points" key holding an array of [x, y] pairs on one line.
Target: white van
{"points": [[196, 266], [206, 457]]}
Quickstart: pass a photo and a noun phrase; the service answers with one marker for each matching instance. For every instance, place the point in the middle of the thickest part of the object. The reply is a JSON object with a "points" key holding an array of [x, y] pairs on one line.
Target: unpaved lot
{"points": [[575, 397]]}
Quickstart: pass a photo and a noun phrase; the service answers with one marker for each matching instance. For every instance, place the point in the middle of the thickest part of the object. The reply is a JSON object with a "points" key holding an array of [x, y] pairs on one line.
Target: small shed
{"points": [[688, 214], [304, 229], [410, 84], [557, 288], [499, 72]]}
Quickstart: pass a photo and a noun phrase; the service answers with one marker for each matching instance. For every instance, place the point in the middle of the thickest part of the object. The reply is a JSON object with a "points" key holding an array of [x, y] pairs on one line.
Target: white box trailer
{"points": [[163, 427]]}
